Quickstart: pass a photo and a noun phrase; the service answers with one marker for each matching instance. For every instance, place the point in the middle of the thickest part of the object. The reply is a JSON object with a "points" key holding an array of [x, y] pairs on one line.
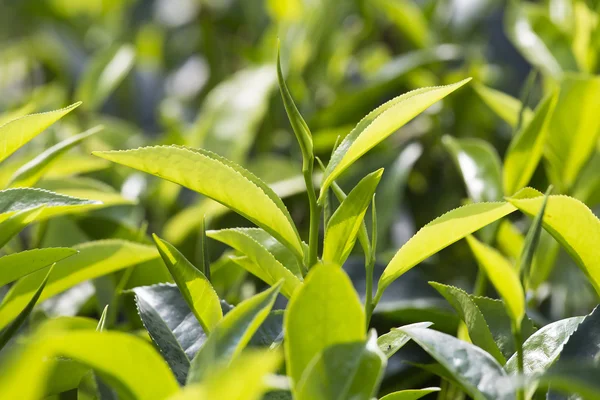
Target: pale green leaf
{"points": [[16, 133], [328, 307], [395, 339], [379, 124], [581, 240], [263, 264], [505, 106], [526, 148], [346, 221], [195, 287], [503, 275], [411, 394], [17, 222], [219, 179], [441, 233], [93, 260], [408, 18], [32, 171], [17, 265], [232, 334]]}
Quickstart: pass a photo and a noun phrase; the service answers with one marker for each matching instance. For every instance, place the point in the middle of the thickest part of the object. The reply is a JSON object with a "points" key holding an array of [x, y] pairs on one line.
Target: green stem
{"points": [[369, 307], [520, 363], [315, 215]]}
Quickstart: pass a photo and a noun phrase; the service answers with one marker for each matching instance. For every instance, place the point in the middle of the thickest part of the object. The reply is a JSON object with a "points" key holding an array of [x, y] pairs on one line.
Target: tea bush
{"points": [[301, 235]]}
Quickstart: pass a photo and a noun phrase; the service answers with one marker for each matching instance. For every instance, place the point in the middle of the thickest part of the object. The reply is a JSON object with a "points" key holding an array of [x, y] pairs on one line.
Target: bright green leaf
{"points": [[411, 394], [196, 289], [17, 222], [505, 106], [389, 343], [17, 265]]}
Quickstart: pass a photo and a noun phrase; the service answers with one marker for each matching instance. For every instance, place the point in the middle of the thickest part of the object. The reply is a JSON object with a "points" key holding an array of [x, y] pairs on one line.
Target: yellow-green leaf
{"points": [[17, 265], [412, 394], [94, 259], [196, 289], [441, 233], [503, 275], [526, 148], [14, 134], [219, 179], [381, 123], [324, 312], [571, 223], [263, 264], [346, 221], [505, 106]]}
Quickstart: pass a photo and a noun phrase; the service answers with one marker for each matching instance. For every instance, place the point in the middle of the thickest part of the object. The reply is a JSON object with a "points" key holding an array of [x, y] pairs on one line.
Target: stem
{"points": [[315, 214], [369, 307], [520, 363]]}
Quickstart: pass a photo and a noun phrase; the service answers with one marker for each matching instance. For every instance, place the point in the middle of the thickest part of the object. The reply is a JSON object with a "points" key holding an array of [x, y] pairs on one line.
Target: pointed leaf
{"points": [[379, 124], [232, 334], [526, 148], [412, 394], [16, 133], [93, 260], [505, 106], [328, 307], [503, 276], [477, 371], [346, 221], [263, 264], [441, 233], [196, 289], [219, 179], [479, 331], [395, 339], [580, 240], [17, 265], [17, 222], [30, 173]]}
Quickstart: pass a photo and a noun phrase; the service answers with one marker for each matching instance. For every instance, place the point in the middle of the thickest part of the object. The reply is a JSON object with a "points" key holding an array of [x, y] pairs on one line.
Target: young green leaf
{"points": [[441, 233], [379, 124], [196, 289], [343, 371], [263, 264], [411, 394], [328, 307], [16, 133], [7, 333], [228, 184], [479, 165], [104, 73], [301, 130], [94, 259], [579, 239], [17, 222], [510, 240], [408, 18], [505, 106], [395, 339], [479, 331], [526, 148], [30, 173], [102, 320], [17, 265], [232, 334], [243, 379], [346, 221], [503, 276], [130, 364], [477, 371]]}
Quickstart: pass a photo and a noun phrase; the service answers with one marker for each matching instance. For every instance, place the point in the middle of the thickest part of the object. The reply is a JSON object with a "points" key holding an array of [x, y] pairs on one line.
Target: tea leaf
{"points": [[503, 276], [441, 233], [93, 260], [16, 133], [344, 224], [379, 124], [477, 371], [17, 265], [412, 394], [395, 339], [227, 183], [17, 222], [196, 289], [526, 148], [347, 371], [479, 331], [579, 239], [232, 334], [263, 264], [328, 307], [504, 105], [30, 173]]}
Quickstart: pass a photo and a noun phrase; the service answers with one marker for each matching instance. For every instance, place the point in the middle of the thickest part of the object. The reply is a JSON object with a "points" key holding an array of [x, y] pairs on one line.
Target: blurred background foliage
{"points": [[201, 73]]}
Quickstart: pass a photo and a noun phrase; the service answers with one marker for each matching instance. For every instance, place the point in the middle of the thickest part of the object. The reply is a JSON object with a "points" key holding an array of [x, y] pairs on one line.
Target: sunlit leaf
{"points": [[505, 106], [411, 394], [389, 343], [17, 265]]}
